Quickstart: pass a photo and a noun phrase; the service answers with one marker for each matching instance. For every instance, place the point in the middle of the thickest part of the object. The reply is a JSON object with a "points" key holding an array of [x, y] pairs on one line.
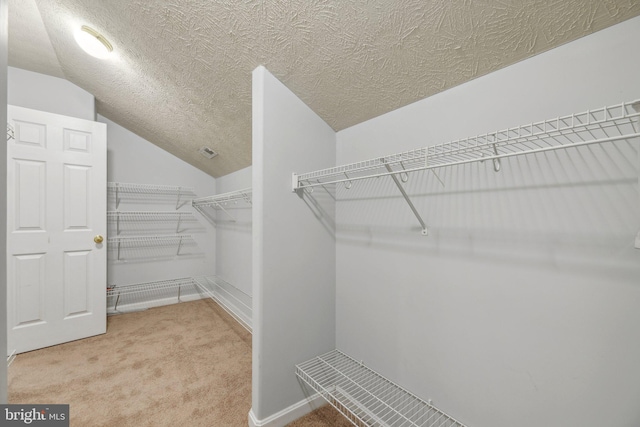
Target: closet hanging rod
{"points": [[596, 126]]}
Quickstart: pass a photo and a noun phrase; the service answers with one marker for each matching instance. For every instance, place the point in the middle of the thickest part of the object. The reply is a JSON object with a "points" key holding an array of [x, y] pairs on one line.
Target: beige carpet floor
{"points": [[186, 364]]}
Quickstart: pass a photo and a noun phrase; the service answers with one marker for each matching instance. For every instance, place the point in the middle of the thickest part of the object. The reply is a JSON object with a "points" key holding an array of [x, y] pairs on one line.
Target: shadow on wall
{"points": [[321, 201], [569, 209]]}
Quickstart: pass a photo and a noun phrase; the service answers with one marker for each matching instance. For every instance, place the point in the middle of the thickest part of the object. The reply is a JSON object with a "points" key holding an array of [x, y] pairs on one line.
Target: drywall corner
{"points": [[293, 245], [289, 414], [233, 233]]}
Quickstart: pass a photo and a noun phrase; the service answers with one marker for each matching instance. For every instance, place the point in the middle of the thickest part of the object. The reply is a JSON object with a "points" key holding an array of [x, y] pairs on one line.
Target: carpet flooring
{"points": [[185, 364]]}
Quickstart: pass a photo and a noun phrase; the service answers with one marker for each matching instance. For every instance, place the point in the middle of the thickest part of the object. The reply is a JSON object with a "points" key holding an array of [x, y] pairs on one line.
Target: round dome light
{"points": [[93, 42]]}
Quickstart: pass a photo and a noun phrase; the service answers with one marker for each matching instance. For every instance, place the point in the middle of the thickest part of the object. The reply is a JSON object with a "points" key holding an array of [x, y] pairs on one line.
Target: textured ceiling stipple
{"points": [[181, 72]]}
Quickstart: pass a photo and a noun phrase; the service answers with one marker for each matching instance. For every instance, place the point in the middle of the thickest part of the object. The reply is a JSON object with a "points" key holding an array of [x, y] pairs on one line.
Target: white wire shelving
{"points": [[121, 189], [150, 294], [143, 294], [234, 301], [128, 242], [223, 201], [179, 218], [597, 126], [10, 132], [365, 397]]}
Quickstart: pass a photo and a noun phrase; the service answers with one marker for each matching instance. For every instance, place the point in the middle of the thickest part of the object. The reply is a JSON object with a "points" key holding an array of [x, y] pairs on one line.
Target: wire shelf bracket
{"points": [[365, 397], [220, 201], [425, 231], [596, 126]]}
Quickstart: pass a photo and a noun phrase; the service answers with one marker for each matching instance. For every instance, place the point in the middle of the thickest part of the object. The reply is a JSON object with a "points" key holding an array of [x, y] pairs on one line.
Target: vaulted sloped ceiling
{"points": [[180, 75]]}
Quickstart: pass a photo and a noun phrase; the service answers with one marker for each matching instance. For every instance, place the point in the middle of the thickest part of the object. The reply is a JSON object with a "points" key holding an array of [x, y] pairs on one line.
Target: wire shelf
{"points": [[128, 242], [146, 293], [149, 192], [365, 397], [150, 216], [148, 221], [223, 201], [234, 301], [591, 127], [220, 200], [149, 189], [150, 240]]}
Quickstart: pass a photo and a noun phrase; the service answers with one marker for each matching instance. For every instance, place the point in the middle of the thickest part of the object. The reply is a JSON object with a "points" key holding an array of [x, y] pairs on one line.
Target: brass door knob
{"points": [[98, 239]]}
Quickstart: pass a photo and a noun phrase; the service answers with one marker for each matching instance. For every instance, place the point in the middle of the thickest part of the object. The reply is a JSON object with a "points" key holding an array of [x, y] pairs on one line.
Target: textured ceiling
{"points": [[181, 73]]}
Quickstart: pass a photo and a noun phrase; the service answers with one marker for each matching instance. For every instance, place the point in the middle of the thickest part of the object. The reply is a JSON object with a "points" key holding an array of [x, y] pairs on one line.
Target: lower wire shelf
{"points": [[366, 398], [141, 296], [235, 302]]}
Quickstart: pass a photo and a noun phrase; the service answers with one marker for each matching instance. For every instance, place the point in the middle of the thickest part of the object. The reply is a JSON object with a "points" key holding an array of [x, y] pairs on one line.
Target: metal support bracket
{"points": [[425, 231], [115, 307], [178, 201], [117, 195], [218, 205], [179, 246]]}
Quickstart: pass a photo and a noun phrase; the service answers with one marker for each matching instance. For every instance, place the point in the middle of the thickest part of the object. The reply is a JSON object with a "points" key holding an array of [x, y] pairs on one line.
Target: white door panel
{"points": [[56, 205]]}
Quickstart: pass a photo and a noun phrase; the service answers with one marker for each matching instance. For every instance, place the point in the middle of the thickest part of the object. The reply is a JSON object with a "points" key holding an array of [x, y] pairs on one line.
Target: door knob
{"points": [[98, 239]]}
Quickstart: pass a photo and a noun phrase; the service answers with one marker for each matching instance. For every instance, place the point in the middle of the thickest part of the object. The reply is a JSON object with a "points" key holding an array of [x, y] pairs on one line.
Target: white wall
{"points": [[522, 306], [132, 159], [233, 236], [3, 203], [293, 245], [45, 93]]}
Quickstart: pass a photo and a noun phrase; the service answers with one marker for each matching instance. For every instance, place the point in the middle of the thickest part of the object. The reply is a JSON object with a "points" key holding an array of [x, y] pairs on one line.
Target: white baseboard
{"points": [[290, 414]]}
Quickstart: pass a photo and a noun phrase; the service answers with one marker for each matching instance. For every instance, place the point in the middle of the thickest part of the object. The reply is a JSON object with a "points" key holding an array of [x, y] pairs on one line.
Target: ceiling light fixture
{"points": [[92, 42]]}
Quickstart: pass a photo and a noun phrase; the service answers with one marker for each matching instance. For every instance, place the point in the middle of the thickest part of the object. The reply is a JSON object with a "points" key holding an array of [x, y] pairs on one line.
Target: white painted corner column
{"points": [[293, 251]]}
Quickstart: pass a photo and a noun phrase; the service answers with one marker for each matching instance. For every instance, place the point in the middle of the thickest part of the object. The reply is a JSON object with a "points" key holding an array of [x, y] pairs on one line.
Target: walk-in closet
{"points": [[389, 214]]}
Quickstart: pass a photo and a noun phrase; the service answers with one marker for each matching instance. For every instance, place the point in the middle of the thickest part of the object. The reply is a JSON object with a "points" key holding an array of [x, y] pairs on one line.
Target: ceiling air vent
{"points": [[207, 152]]}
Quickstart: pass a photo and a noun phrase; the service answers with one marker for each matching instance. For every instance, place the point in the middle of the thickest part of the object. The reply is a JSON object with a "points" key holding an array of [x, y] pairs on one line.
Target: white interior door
{"points": [[56, 203]]}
